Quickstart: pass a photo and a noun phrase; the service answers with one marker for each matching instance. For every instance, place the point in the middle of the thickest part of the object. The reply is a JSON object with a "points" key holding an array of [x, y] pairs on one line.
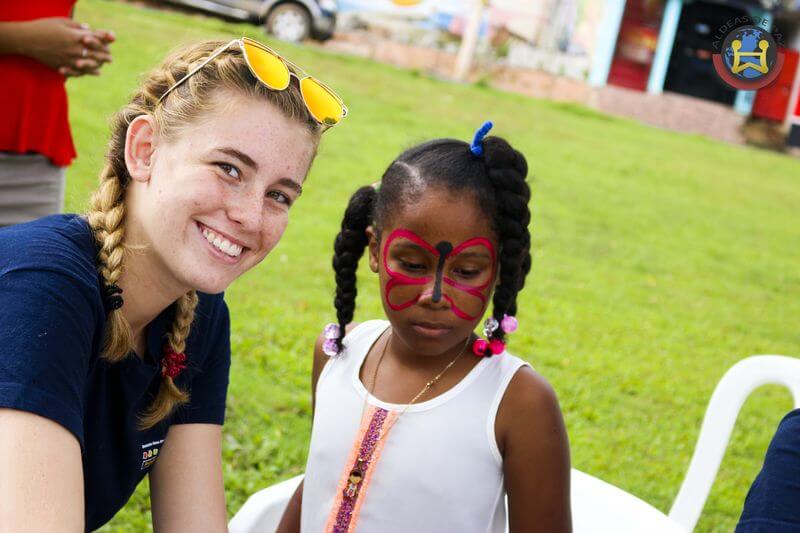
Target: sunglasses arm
{"points": [[197, 68]]}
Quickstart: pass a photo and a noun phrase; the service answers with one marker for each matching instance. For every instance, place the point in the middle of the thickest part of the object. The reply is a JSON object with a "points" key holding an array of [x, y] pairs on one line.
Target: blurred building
{"points": [[658, 46], [523, 19], [650, 60]]}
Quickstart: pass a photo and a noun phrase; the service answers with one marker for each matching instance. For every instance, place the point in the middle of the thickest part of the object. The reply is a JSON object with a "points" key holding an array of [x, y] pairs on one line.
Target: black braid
{"points": [[347, 251], [507, 169]]}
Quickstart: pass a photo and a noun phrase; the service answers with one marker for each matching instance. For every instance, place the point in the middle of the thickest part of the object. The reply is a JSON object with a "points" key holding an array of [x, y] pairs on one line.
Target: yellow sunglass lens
{"points": [[325, 107], [267, 67]]}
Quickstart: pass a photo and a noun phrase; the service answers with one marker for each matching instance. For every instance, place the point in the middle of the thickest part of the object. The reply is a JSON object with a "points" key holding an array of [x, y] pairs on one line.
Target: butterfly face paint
{"points": [[460, 274]]}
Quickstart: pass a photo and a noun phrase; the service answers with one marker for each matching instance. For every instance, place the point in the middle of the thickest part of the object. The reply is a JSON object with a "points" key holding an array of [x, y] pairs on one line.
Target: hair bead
{"points": [[112, 297], [331, 331], [480, 347], [509, 324], [490, 326], [496, 346], [330, 347], [477, 141]]}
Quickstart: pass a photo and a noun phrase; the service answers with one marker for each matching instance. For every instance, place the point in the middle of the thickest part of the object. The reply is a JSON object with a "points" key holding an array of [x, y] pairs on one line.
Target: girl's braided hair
{"points": [[497, 180]]}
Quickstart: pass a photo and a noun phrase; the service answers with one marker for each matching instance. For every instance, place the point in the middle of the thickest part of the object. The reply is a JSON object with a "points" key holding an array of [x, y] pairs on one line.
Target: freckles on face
{"points": [[233, 173], [272, 235]]}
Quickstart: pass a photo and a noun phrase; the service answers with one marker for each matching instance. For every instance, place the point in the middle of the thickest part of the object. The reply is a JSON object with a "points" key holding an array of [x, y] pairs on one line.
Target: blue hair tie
{"points": [[477, 141]]}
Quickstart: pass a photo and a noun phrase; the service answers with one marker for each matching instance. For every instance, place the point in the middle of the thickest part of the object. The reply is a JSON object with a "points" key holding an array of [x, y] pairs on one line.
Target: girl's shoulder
{"points": [[533, 446], [529, 389], [501, 370], [529, 406], [524, 386], [509, 361]]}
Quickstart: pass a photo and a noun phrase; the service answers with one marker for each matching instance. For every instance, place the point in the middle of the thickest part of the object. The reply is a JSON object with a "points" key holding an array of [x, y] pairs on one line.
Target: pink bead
{"points": [[509, 324], [331, 331], [497, 346], [479, 347], [330, 348]]}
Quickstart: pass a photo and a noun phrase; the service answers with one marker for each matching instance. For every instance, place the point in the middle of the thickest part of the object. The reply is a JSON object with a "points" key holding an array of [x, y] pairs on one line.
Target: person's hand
{"points": [[72, 48], [97, 53]]}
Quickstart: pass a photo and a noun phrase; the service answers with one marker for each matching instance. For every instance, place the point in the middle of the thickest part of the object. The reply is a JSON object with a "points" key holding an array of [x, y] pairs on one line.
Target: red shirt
{"points": [[33, 98]]}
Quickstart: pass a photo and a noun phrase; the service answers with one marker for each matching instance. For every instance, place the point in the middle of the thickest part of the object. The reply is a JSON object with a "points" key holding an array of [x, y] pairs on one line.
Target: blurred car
{"points": [[288, 20]]}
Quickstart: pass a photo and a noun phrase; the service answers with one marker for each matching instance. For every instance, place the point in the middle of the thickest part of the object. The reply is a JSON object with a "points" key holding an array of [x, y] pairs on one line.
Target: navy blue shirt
{"points": [[51, 330], [773, 503]]}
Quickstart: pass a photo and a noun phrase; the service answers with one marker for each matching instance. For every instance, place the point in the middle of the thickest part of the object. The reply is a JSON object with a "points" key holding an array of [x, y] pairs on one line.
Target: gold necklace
{"points": [[428, 386]]}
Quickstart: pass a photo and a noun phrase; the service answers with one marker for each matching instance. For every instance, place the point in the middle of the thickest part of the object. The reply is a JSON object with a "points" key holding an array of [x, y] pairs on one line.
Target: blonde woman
{"points": [[114, 336]]}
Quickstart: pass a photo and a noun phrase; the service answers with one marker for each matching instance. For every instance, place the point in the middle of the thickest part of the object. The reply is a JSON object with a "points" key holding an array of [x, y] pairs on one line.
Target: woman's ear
{"points": [[140, 142], [374, 241]]}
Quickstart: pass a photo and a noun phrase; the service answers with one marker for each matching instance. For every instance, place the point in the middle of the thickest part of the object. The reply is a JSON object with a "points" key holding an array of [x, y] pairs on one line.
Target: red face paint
{"points": [[404, 289]]}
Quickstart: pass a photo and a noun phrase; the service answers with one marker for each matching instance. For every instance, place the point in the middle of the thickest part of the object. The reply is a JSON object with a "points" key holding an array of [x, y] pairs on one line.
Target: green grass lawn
{"points": [[660, 259]]}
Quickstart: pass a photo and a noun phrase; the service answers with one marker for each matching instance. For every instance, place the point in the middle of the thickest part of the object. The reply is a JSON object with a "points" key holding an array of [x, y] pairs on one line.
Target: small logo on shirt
{"points": [[150, 453]]}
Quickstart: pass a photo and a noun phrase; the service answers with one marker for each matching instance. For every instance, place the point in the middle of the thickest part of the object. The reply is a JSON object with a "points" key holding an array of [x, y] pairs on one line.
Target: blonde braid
{"points": [[106, 218], [169, 395]]}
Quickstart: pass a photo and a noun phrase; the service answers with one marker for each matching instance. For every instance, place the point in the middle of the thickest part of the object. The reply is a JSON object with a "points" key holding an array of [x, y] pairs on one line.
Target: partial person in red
{"points": [[40, 46]]}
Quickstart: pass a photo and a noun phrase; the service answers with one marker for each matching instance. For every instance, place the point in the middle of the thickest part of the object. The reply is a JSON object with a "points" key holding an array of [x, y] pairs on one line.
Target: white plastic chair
{"points": [[263, 510], [726, 401]]}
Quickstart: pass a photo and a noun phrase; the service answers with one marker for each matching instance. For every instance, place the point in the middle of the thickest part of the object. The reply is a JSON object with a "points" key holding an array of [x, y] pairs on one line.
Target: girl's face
{"points": [[437, 263], [210, 203]]}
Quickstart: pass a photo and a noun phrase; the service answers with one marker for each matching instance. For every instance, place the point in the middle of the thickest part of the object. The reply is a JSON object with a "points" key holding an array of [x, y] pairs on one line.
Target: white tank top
{"points": [[438, 469]]}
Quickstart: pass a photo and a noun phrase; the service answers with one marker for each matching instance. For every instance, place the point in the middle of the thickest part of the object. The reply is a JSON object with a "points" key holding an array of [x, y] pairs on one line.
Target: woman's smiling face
{"points": [[212, 200]]}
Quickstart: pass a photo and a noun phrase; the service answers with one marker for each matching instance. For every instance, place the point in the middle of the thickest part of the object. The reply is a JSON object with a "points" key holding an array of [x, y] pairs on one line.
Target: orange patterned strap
{"points": [[359, 469]]}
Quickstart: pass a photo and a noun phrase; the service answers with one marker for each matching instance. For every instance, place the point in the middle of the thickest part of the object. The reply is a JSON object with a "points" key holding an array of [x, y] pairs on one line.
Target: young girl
{"points": [[114, 334], [419, 424]]}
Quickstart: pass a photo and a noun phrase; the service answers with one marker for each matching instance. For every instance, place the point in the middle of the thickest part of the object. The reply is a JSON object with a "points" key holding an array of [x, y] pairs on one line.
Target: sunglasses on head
{"points": [[275, 72]]}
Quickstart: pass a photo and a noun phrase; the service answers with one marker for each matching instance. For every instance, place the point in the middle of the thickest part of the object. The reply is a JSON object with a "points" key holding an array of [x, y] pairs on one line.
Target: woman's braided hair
{"points": [[496, 180], [106, 215]]}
